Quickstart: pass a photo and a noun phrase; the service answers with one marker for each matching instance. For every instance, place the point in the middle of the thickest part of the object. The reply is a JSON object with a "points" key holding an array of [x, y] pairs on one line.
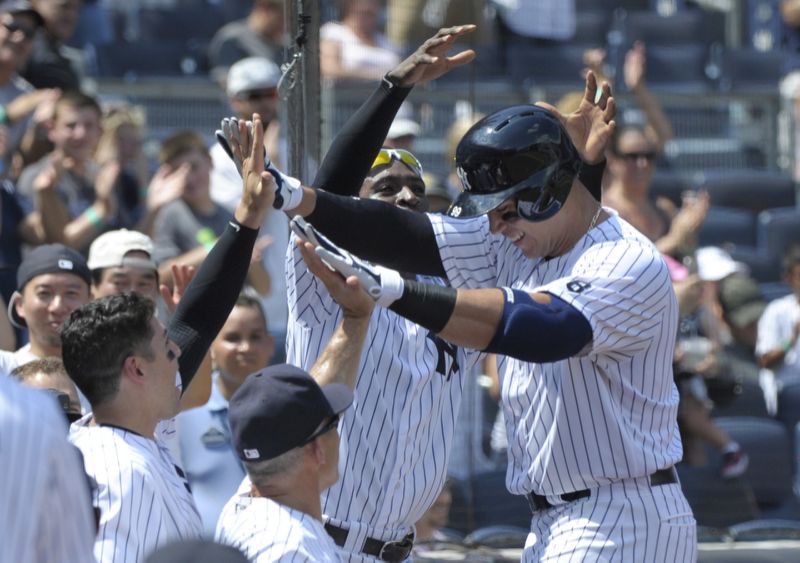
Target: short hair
{"points": [[98, 337], [74, 99], [260, 472], [791, 259], [48, 365], [179, 144]]}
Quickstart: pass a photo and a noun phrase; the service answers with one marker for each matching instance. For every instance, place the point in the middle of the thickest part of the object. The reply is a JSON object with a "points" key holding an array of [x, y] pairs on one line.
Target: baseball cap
{"points": [[741, 300], [402, 127], [714, 264], [279, 408], [109, 250], [21, 7], [252, 73], [47, 259]]}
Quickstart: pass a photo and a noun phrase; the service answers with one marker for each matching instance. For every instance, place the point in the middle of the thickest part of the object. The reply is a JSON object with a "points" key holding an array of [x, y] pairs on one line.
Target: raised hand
{"points": [[167, 185], [181, 276], [429, 61], [591, 125], [385, 286], [259, 187]]}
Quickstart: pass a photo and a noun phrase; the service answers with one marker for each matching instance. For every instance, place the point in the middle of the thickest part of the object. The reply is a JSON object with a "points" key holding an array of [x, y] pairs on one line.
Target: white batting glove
{"points": [[384, 285], [288, 190]]}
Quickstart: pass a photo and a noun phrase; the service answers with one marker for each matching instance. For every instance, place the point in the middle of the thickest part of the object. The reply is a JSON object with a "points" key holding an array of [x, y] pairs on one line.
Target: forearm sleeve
{"points": [[353, 149], [591, 176], [379, 232], [209, 298]]}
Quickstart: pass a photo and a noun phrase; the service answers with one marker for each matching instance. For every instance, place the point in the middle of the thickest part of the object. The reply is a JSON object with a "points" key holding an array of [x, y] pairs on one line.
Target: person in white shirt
{"points": [[779, 326]]}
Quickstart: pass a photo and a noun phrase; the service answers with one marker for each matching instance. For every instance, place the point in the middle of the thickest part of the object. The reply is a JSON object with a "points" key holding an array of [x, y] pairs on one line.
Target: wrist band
{"points": [[93, 218]]}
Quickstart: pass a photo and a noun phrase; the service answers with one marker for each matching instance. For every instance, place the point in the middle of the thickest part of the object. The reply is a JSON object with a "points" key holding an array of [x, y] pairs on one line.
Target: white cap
{"points": [[714, 264], [402, 127], [109, 250], [252, 73]]}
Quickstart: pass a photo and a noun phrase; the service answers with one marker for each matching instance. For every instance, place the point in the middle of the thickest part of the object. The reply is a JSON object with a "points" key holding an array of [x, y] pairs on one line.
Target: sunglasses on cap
{"points": [[649, 156], [330, 425], [386, 156]]}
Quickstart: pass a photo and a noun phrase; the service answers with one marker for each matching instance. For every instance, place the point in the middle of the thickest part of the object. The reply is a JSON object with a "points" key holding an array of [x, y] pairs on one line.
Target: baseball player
{"points": [[124, 361], [276, 514], [397, 438], [45, 505], [579, 304]]}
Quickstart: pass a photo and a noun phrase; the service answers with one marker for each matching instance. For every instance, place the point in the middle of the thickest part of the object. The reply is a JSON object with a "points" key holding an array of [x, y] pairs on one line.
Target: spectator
{"points": [[242, 347], [50, 375], [121, 141], [187, 228], [355, 47], [52, 63], [261, 34], [429, 527], [410, 22], [52, 281], [252, 88], [778, 329], [537, 22], [402, 134]]}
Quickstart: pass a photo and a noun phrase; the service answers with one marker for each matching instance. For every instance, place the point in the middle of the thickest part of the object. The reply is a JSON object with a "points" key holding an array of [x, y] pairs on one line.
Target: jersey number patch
{"points": [[578, 286]]}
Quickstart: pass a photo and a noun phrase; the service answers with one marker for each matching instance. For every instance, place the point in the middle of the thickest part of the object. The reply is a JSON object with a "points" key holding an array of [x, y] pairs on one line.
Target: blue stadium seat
{"points": [[668, 185], [591, 27], [552, 65], [678, 68], [789, 404], [763, 25], [751, 189], [768, 445], [749, 70], [778, 229], [717, 502], [726, 226], [749, 401], [684, 27], [163, 58], [193, 21], [763, 268]]}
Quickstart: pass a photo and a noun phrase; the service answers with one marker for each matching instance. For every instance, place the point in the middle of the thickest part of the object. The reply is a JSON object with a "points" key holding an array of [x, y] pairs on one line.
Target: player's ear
{"points": [[131, 369], [318, 452]]}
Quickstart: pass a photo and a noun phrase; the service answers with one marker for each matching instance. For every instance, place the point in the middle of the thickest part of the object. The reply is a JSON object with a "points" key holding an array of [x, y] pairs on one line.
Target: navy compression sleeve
{"points": [[210, 296], [535, 332]]}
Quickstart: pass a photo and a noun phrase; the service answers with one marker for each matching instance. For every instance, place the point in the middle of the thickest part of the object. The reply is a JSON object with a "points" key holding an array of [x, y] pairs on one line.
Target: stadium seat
{"points": [[717, 502], [774, 290], [700, 122], [164, 58], [768, 446], [678, 68], [765, 530], [668, 185], [591, 27], [553, 66], [789, 404], [751, 189], [749, 401], [684, 27], [493, 505], [763, 25], [778, 229], [748, 70], [762, 268], [710, 155], [725, 226], [199, 21]]}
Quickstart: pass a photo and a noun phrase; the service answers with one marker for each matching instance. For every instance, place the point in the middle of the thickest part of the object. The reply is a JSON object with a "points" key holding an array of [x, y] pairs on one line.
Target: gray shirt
{"points": [[179, 229]]}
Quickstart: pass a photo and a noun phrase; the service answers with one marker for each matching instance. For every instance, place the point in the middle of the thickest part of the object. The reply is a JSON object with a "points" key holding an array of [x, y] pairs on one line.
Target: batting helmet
{"points": [[520, 150]]}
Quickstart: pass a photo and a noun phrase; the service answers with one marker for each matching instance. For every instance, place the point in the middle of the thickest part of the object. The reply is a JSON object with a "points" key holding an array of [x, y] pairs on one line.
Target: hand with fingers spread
{"points": [[591, 125], [167, 185], [429, 61], [235, 138], [181, 276], [259, 186], [384, 285]]}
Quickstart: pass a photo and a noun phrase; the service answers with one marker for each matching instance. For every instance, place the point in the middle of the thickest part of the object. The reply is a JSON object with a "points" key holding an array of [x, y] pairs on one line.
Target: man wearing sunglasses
{"points": [[577, 302]]}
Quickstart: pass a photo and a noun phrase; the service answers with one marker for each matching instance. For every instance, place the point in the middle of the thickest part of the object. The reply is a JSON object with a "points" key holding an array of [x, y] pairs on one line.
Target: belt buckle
{"points": [[396, 550]]}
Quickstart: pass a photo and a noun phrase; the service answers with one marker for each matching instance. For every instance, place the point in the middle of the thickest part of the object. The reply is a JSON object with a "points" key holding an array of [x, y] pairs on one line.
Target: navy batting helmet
{"points": [[520, 150]]}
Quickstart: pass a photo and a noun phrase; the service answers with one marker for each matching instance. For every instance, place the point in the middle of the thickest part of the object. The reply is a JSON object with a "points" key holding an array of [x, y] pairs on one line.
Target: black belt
{"points": [[539, 502], [383, 550]]}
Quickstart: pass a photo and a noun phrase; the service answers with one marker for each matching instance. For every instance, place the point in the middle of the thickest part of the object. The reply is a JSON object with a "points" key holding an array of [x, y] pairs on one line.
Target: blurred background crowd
{"points": [[107, 120]]}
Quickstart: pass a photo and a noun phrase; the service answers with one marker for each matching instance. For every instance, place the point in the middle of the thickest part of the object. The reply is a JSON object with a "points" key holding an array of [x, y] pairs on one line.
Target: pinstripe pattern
{"points": [[396, 439], [45, 513], [605, 415], [267, 531], [143, 496]]}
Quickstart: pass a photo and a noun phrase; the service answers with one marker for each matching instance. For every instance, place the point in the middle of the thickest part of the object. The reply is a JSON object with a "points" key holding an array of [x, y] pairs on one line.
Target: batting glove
{"points": [[384, 285], [288, 190]]}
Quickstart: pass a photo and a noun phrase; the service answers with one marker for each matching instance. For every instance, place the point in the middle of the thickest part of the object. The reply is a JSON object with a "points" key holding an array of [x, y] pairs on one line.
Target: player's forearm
{"points": [[340, 359]]}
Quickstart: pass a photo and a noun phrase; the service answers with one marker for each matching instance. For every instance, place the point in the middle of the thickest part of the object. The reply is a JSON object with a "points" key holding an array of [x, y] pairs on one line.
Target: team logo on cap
{"points": [[65, 264], [251, 454]]}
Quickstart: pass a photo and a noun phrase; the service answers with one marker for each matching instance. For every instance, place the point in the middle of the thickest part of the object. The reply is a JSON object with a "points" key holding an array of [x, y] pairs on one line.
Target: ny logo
{"points": [[445, 349]]}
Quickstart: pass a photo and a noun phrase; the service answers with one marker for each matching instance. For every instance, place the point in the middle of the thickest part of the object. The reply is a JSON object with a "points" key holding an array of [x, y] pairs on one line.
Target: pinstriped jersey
{"points": [[610, 412], [45, 505], [267, 531], [143, 496], [395, 441]]}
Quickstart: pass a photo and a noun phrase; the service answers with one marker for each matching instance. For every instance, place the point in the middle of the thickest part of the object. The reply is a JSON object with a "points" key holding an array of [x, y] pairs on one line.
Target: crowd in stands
{"points": [[86, 213]]}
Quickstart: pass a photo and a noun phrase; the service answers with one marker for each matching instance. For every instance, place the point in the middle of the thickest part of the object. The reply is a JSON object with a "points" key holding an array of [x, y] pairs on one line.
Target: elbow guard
{"points": [[534, 332]]}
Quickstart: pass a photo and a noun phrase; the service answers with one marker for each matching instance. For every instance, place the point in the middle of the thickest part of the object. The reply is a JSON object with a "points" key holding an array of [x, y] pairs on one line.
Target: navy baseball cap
{"points": [[279, 408], [47, 259]]}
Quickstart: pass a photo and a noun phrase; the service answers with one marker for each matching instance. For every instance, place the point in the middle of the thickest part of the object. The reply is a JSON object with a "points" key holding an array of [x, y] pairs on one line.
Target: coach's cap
{"points": [[197, 551], [741, 300], [252, 73], [111, 249], [47, 259], [21, 7], [279, 408]]}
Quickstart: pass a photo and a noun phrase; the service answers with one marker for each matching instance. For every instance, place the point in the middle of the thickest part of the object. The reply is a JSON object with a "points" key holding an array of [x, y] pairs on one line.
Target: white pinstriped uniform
{"points": [[266, 531], [143, 496], [602, 420], [395, 441], [45, 505]]}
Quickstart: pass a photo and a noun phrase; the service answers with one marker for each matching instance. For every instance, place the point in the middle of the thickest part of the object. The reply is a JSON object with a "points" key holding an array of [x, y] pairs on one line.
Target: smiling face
{"points": [[243, 346], [16, 39], [534, 239], [633, 158], [397, 184], [76, 131]]}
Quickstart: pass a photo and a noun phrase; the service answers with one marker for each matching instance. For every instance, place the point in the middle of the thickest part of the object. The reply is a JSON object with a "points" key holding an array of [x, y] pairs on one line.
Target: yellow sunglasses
{"points": [[386, 156]]}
